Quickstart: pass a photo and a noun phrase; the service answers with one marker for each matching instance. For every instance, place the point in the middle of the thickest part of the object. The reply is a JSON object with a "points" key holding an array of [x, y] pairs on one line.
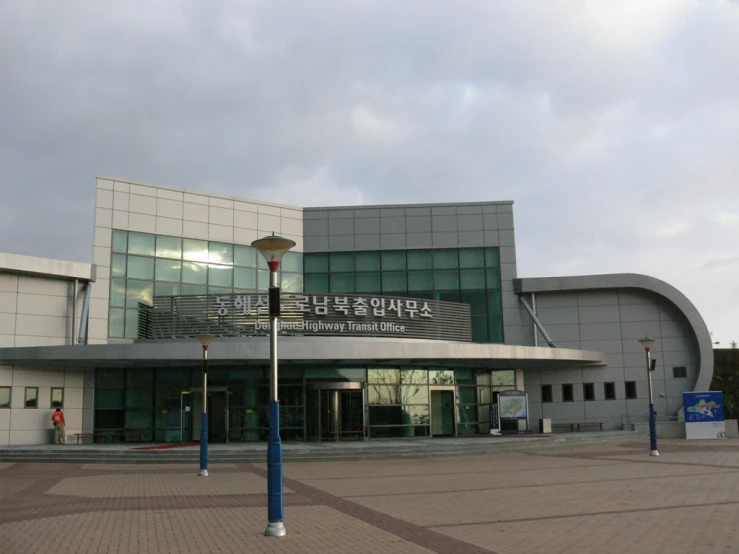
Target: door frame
{"points": [[339, 386], [444, 388]]}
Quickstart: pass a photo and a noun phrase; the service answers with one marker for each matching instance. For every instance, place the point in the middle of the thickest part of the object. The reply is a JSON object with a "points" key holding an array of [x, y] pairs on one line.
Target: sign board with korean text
{"points": [[350, 315], [704, 415], [513, 404]]}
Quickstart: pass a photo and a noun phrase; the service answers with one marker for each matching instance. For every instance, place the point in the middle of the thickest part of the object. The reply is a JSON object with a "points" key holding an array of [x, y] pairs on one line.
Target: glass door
{"points": [[442, 412], [335, 412]]}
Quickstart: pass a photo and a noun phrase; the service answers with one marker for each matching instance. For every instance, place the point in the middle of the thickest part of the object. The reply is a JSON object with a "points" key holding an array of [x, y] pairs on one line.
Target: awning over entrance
{"points": [[306, 350]]}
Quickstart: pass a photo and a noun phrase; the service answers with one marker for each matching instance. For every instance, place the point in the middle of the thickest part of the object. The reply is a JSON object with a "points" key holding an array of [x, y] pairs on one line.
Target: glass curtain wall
{"points": [[467, 275], [144, 265]]}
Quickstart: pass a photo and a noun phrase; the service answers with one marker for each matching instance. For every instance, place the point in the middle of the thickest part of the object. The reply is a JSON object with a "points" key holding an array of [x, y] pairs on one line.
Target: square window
{"points": [[220, 275], [341, 261], [341, 282], [472, 278], [140, 268], [568, 394], [679, 372], [630, 389], [393, 260], [446, 279], [446, 258], [293, 262], [245, 278], [394, 281], [195, 250], [609, 391], [588, 391], [57, 397], [141, 244], [166, 289], [471, 257], [546, 393], [246, 256], [194, 273], [169, 247], [4, 397], [31, 397], [120, 241], [139, 291], [420, 280], [367, 261], [419, 259], [220, 253], [168, 270], [492, 278], [368, 282], [316, 284], [316, 263], [292, 282]]}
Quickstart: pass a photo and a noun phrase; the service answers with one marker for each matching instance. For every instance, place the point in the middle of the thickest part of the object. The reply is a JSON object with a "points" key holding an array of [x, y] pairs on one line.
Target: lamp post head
{"points": [[273, 248], [647, 343], [204, 340]]}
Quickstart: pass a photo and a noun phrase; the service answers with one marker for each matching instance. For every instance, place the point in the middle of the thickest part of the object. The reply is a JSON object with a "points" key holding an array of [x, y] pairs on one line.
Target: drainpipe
{"points": [[538, 323], [75, 299], [85, 314]]}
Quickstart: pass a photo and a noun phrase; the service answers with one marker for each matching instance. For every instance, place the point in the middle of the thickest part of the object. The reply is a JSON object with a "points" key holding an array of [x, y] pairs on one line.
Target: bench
{"points": [[578, 425]]}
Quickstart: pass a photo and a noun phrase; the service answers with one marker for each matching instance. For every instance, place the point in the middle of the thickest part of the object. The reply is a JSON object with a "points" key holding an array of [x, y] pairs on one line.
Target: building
{"points": [[404, 320]]}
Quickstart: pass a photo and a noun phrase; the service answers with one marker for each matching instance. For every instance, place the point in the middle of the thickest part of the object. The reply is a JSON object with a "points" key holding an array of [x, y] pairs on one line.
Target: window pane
{"points": [[316, 263], [492, 257], [31, 397], [546, 393], [220, 290], [476, 301], [479, 329], [398, 394], [368, 282], [140, 268], [141, 243], [447, 296], [504, 380], [441, 376], [609, 390], [245, 256], [630, 389], [495, 328], [445, 258], [341, 282], [393, 260], [57, 398], [115, 322], [220, 276], [245, 278], [262, 279], [414, 376], [472, 278], [367, 261], [567, 394], [394, 281], [4, 397], [471, 257], [166, 289], [194, 273], [169, 247], [220, 253], [292, 261], [341, 261], [446, 280], [117, 292], [120, 241], [109, 398], [384, 376], [118, 266], [139, 291], [419, 259], [195, 250], [132, 324], [168, 270], [420, 280], [194, 290], [495, 304], [292, 282], [588, 391], [492, 278], [316, 283]]}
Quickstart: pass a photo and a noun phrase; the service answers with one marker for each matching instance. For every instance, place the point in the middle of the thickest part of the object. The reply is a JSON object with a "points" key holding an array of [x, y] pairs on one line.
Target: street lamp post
{"points": [[204, 341], [647, 343], [273, 249]]}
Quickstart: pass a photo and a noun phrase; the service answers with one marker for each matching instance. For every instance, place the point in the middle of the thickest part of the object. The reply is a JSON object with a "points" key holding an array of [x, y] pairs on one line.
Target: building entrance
{"points": [[217, 413], [442, 412], [335, 411]]}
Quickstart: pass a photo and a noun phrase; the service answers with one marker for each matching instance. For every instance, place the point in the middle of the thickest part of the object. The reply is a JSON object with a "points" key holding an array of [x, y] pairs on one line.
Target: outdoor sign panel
{"points": [[513, 404], [704, 415], [238, 315]]}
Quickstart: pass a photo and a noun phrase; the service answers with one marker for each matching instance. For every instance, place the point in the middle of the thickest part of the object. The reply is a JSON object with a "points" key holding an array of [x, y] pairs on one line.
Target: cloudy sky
{"points": [[614, 126]]}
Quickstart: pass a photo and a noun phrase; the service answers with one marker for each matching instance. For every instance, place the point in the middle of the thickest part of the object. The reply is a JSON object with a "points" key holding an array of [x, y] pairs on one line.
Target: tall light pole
{"points": [[647, 343], [204, 341], [273, 249]]}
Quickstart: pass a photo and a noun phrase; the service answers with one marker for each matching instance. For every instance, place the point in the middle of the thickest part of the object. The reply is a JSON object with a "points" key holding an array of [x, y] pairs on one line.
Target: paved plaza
{"points": [[597, 499]]}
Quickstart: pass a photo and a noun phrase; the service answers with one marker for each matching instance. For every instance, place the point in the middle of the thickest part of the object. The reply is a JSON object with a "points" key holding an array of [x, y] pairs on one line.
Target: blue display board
{"points": [[704, 415]]}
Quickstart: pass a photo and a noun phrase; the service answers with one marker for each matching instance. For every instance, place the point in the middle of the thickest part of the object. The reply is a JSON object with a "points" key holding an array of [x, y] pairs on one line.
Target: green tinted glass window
{"points": [[245, 278], [195, 250], [492, 278], [132, 324], [118, 292], [446, 279], [169, 247], [220, 290], [140, 268], [368, 282], [341, 282], [292, 282], [479, 329], [447, 296], [476, 300], [393, 260], [139, 291], [168, 270], [394, 281], [194, 273], [293, 262], [420, 259], [115, 322], [220, 253], [194, 289], [446, 258], [471, 257], [317, 283], [472, 278], [166, 289], [118, 266], [220, 275], [341, 261], [495, 328], [120, 241], [262, 279], [492, 257], [245, 256], [367, 261], [420, 280], [316, 263], [141, 244], [495, 304]]}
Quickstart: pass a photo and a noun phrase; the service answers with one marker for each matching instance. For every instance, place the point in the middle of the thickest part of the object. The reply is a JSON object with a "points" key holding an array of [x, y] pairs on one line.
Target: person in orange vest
{"points": [[60, 437]]}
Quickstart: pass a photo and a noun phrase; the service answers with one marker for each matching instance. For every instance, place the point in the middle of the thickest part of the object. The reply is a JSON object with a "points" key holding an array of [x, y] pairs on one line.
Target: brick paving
{"points": [[603, 499]]}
